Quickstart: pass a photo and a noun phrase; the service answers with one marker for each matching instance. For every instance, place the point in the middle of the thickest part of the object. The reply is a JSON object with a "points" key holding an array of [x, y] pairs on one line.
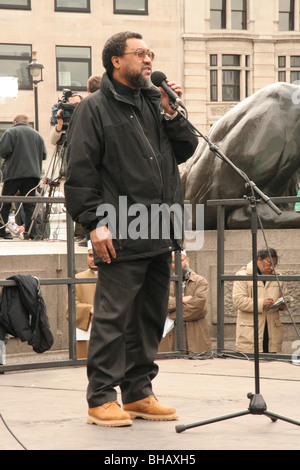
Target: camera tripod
{"points": [[257, 404], [51, 181]]}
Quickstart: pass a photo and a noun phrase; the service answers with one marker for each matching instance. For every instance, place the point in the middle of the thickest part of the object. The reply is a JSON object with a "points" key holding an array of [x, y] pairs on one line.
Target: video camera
{"points": [[67, 109]]}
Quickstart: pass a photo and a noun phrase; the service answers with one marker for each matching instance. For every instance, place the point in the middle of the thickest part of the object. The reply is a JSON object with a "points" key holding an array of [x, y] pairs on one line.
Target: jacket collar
{"points": [[106, 87], [193, 276], [20, 124], [249, 268]]}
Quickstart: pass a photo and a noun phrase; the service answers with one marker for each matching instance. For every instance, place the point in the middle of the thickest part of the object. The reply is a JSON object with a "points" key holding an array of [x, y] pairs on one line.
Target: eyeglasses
{"points": [[268, 263], [141, 54]]}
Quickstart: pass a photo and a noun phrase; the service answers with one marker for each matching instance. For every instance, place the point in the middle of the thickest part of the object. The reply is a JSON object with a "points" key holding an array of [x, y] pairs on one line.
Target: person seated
{"points": [[194, 303], [84, 305]]}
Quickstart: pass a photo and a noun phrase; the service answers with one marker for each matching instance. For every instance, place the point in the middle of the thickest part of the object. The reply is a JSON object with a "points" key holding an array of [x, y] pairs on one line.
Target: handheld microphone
{"points": [[159, 79]]}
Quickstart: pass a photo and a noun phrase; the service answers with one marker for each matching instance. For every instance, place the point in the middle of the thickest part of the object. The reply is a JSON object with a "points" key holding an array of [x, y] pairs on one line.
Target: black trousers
{"points": [[130, 308], [10, 188]]}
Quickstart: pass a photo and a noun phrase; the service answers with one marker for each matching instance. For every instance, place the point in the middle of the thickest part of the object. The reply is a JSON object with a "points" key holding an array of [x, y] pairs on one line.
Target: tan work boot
{"points": [[109, 414], [150, 408]]}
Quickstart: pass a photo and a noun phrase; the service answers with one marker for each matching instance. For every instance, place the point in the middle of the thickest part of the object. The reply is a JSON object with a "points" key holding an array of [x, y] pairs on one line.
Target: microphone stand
{"points": [[257, 404]]}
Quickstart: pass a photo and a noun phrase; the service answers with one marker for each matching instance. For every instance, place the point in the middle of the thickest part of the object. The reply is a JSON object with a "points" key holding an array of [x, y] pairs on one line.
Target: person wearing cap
{"points": [[84, 305]]}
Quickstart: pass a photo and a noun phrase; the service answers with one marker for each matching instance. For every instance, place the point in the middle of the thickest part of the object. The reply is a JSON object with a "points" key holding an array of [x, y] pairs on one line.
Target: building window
{"points": [[228, 14], [281, 65], [73, 67], [282, 76], [231, 85], [218, 14], [213, 78], [72, 5], [295, 68], [289, 68], [238, 14], [213, 85], [286, 15], [229, 77], [231, 60], [214, 60], [131, 7], [14, 59], [16, 4], [282, 62]]}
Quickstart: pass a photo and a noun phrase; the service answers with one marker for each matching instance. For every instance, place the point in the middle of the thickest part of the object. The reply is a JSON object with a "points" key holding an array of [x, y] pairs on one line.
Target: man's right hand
{"points": [[60, 121], [102, 243], [267, 303]]}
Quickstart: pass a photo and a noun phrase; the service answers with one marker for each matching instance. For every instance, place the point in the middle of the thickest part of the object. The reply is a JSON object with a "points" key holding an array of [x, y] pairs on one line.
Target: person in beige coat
{"points": [[270, 330], [194, 304], [84, 294]]}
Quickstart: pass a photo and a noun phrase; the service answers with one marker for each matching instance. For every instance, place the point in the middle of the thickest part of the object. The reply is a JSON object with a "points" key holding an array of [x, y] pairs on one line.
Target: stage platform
{"points": [[46, 410]]}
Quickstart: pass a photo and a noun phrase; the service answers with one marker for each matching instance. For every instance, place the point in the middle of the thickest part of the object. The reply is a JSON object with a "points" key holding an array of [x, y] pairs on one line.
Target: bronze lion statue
{"points": [[261, 136]]}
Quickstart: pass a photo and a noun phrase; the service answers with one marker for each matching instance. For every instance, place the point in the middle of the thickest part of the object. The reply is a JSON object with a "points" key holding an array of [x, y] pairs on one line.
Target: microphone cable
{"points": [[9, 430]]}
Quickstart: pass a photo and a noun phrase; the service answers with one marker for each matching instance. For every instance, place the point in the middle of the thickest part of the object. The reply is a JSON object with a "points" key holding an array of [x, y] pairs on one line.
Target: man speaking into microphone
{"points": [[125, 142]]}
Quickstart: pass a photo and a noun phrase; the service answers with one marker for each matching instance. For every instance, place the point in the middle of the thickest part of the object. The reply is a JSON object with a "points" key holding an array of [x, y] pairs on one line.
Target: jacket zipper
{"points": [[152, 150]]}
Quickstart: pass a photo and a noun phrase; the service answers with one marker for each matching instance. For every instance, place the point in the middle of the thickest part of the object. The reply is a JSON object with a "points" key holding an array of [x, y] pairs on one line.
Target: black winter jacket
{"points": [[23, 149], [23, 313], [110, 156]]}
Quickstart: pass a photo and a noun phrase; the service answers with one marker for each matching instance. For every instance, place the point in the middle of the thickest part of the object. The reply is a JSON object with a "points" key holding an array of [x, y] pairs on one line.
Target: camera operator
{"points": [[61, 116], [60, 127]]}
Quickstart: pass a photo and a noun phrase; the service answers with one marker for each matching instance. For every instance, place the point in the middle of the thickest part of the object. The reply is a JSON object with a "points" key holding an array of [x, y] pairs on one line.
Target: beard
{"points": [[186, 269], [136, 80]]}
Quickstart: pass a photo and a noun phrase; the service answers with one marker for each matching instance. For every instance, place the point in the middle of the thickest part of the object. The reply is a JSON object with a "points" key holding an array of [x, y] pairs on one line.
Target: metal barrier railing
{"points": [[70, 281], [221, 276]]}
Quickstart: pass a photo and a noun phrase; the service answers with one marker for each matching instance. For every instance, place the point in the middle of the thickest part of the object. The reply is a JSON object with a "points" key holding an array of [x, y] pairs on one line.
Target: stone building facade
{"points": [[219, 50]]}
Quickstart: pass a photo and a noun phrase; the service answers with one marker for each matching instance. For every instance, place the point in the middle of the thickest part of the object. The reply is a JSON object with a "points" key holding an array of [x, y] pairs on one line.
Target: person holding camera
{"points": [[59, 128], [58, 138]]}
